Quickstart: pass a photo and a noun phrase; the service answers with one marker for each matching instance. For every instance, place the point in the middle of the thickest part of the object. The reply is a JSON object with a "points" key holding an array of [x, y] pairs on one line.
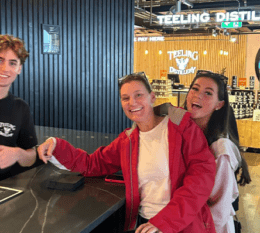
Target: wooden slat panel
{"points": [[152, 62]]}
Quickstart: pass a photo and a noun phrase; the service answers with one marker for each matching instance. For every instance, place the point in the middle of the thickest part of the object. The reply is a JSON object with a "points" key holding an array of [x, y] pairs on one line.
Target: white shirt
{"points": [[153, 170], [225, 189]]}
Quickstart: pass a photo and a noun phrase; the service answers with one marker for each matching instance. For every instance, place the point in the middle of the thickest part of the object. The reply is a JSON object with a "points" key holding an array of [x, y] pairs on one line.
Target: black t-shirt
{"points": [[16, 129]]}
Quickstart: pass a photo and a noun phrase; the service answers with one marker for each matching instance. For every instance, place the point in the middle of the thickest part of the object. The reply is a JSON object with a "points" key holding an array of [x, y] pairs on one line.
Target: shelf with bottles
{"points": [[258, 96], [243, 102], [162, 87]]}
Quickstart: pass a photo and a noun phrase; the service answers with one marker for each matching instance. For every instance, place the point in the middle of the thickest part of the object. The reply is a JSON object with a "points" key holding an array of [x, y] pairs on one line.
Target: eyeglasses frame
{"points": [[137, 74]]}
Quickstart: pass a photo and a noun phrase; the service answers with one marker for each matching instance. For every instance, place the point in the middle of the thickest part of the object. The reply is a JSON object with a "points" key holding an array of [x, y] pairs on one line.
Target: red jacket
{"points": [[192, 173]]}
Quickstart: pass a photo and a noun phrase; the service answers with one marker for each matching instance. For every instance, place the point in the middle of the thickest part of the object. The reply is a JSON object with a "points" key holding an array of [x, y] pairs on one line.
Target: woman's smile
{"points": [[136, 110], [196, 106]]}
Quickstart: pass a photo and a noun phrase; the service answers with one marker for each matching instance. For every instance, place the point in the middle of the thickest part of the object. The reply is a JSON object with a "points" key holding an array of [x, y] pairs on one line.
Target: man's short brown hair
{"points": [[16, 44]]}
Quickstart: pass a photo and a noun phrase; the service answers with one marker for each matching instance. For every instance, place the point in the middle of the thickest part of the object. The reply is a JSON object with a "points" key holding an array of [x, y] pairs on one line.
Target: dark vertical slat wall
{"points": [[76, 89]]}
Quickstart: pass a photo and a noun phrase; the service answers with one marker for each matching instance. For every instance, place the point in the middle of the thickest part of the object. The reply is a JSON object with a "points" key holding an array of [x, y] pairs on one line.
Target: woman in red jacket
{"points": [[167, 166]]}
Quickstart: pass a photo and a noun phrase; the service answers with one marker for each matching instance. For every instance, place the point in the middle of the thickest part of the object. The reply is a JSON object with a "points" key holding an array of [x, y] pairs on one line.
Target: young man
{"points": [[17, 133]]}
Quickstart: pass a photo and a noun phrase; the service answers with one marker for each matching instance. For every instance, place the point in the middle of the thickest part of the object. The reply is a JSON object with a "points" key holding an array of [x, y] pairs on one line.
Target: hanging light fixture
{"points": [[187, 3], [226, 32]]}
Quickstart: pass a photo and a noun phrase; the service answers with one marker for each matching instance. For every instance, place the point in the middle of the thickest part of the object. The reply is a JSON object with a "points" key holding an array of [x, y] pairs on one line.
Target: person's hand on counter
{"points": [[45, 149], [8, 156], [147, 228], [11, 155]]}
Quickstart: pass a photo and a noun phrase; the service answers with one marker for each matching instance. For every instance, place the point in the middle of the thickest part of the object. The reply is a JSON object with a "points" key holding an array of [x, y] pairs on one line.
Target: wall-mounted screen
{"points": [[51, 39]]}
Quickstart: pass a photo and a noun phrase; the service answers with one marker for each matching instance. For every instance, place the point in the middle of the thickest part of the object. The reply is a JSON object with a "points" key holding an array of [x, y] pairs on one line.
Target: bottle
{"points": [[251, 82], [247, 111], [235, 108], [234, 82]]}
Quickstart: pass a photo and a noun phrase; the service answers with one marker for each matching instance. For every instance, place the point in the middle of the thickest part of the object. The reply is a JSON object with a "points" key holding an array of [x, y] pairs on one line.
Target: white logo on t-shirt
{"points": [[7, 129]]}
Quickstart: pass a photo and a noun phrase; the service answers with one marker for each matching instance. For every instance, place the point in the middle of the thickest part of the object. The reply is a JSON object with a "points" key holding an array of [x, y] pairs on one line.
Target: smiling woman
{"points": [[165, 160], [203, 100], [207, 101]]}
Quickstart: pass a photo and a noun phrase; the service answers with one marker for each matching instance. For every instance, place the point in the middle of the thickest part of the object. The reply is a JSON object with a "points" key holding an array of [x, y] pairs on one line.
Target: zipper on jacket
{"points": [[131, 180]]}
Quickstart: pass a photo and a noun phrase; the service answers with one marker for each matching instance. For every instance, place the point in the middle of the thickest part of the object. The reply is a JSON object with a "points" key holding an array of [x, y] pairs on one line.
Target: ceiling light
{"points": [[205, 52], [146, 52], [187, 3], [172, 9], [226, 32], [178, 6]]}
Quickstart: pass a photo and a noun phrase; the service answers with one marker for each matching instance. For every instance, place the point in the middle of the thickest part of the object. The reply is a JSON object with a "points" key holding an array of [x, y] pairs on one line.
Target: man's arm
{"points": [[11, 155]]}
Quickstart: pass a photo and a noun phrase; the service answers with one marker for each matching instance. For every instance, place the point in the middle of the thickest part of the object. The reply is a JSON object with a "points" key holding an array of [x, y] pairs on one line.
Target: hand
{"points": [[45, 149], [147, 228], [8, 156]]}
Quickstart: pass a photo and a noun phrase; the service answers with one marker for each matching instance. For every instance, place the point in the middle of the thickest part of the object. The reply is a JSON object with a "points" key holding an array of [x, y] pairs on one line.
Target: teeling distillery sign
{"points": [[182, 58], [205, 17]]}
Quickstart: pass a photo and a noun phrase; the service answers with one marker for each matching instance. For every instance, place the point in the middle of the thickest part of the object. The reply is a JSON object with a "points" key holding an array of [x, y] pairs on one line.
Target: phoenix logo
{"points": [[6, 129], [182, 59], [182, 63]]}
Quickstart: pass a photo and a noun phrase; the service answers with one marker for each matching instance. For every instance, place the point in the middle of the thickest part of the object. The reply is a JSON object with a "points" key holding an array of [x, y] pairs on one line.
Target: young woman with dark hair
{"points": [[167, 166], [207, 101]]}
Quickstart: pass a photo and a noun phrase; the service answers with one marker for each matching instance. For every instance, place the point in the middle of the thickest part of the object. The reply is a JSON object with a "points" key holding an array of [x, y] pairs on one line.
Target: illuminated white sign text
{"points": [[143, 39], [205, 17]]}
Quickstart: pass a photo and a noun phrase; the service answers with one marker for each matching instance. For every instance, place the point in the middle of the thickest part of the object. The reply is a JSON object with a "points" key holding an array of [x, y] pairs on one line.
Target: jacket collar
{"points": [[175, 114], [129, 131]]}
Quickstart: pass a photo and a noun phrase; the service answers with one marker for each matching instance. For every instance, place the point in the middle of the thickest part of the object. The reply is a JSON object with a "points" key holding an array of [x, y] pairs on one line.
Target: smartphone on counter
{"points": [[115, 179]]}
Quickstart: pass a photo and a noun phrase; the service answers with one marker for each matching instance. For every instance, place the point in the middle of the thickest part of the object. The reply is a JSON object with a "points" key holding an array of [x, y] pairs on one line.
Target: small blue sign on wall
{"points": [[51, 39]]}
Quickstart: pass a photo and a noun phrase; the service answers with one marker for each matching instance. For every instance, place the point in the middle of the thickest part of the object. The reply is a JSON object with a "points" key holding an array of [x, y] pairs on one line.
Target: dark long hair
{"points": [[244, 176], [218, 125], [222, 123]]}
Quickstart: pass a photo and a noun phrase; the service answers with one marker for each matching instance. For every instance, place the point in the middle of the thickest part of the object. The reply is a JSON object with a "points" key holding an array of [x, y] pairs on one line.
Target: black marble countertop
{"points": [[85, 140], [44, 210], [40, 209]]}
